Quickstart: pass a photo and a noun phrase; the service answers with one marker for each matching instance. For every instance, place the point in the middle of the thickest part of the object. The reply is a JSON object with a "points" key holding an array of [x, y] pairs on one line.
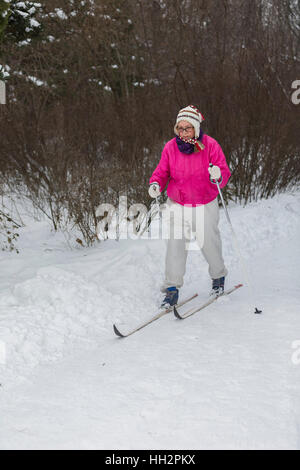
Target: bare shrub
{"points": [[92, 100]]}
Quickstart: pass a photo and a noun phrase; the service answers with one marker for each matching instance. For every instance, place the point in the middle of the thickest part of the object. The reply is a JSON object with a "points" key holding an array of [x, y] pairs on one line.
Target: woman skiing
{"points": [[191, 162]]}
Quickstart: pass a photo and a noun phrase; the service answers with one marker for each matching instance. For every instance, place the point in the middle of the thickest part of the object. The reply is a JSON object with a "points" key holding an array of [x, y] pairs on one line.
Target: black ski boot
{"points": [[217, 286]]}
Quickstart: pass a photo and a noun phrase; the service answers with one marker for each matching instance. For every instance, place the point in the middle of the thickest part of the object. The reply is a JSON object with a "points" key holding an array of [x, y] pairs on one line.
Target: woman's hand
{"points": [[154, 190], [215, 172]]}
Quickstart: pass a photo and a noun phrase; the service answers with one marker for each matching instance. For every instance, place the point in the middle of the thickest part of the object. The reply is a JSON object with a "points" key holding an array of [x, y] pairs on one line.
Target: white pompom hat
{"points": [[193, 116]]}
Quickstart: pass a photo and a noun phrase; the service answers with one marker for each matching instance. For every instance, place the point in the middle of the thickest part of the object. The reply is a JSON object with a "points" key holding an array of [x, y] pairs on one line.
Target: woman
{"points": [[192, 192]]}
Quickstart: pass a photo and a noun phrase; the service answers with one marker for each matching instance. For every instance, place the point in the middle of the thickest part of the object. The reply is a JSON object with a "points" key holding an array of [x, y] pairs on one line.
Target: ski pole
{"points": [[236, 244], [149, 214]]}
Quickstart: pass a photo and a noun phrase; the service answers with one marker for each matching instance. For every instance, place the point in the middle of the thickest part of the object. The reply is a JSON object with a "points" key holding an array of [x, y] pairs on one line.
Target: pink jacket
{"points": [[188, 175]]}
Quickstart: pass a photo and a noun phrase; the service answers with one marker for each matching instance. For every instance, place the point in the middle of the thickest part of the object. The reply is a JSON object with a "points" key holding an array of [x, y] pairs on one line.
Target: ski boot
{"points": [[171, 297], [217, 286]]}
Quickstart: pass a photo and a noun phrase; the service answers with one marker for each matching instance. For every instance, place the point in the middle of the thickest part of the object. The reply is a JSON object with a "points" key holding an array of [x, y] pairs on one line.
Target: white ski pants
{"points": [[183, 223]]}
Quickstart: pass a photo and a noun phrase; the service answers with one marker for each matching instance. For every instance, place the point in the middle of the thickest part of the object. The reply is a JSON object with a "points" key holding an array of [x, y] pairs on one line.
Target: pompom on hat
{"points": [[192, 115]]}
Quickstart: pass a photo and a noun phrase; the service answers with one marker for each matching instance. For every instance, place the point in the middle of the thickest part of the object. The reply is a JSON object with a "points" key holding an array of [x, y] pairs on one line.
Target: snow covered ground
{"points": [[222, 379]]}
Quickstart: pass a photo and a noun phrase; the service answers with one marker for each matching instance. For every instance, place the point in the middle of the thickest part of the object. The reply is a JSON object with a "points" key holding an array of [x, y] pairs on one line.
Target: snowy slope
{"points": [[224, 378]]}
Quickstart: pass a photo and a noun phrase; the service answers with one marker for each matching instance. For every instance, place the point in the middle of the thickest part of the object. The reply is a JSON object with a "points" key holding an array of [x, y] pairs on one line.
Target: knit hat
{"points": [[193, 116]]}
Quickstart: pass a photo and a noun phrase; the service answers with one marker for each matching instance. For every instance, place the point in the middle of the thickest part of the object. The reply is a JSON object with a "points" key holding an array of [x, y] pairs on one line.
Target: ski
{"points": [[210, 301], [156, 317]]}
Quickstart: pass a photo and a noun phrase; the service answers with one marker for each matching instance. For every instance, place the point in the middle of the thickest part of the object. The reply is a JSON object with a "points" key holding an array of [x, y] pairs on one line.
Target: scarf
{"points": [[188, 145]]}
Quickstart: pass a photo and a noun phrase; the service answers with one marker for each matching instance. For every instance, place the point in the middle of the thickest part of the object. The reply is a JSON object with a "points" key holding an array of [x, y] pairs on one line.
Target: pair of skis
{"points": [[176, 313]]}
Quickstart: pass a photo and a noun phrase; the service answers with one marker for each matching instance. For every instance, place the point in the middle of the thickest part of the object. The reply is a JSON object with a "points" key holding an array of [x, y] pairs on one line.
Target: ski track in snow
{"points": [[222, 379]]}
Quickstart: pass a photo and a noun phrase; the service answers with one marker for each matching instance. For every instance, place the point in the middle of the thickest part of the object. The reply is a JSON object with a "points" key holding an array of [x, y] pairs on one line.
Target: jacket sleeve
{"points": [[217, 158], [161, 173]]}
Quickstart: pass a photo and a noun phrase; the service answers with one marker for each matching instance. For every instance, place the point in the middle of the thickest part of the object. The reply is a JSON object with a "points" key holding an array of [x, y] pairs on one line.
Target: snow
{"points": [[34, 23], [22, 13], [222, 379], [36, 81], [5, 69], [26, 42], [60, 13]]}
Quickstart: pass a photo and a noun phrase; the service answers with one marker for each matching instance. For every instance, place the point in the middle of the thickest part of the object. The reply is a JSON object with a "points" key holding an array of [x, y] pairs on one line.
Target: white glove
{"points": [[215, 172], [154, 190]]}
